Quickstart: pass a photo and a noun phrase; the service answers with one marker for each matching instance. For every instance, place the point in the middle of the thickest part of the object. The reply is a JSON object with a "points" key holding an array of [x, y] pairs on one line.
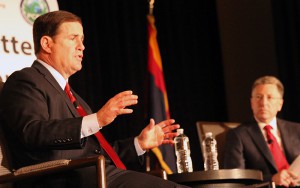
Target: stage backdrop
{"points": [[16, 44]]}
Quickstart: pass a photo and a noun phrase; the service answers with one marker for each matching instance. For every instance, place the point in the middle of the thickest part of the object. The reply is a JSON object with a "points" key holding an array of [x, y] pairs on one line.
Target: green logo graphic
{"points": [[31, 9]]}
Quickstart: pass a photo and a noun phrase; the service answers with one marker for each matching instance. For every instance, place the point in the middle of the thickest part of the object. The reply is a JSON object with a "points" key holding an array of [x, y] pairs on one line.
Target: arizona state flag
{"points": [[159, 106]]}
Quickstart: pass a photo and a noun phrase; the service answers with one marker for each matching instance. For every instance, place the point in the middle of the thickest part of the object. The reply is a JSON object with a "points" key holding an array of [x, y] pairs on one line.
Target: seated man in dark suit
{"points": [[250, 146], [44, 119]]}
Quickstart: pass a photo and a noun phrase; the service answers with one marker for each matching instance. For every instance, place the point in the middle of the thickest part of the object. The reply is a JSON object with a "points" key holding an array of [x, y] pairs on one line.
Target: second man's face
{"points": [[266, 102]]}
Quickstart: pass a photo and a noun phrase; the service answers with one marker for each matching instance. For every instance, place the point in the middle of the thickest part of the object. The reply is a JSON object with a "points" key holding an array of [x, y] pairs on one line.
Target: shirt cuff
{"points": [[138, 148], [89, 125]]}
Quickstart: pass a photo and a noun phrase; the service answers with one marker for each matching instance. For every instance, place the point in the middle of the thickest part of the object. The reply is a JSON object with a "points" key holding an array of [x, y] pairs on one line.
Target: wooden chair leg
{"points": [[101, 172]]}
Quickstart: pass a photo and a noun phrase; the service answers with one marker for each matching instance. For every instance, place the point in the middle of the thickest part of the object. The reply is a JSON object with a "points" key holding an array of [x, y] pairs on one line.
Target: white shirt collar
{"points": [[273, 124]]}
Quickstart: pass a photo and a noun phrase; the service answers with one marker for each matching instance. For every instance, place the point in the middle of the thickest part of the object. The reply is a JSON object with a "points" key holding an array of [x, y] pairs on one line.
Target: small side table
{"points": [[225, 178]]}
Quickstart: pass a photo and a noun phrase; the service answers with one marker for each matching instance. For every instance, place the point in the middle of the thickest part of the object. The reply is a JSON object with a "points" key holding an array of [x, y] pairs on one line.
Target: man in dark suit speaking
{"points": [[44, 119], [266, 143]]}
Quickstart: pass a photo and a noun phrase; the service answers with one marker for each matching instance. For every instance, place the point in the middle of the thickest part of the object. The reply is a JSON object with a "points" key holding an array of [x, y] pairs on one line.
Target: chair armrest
{"points": [[158, 173], [55, 166]]}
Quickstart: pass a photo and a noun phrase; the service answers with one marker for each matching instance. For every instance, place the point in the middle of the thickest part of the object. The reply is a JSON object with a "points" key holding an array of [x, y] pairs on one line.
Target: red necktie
{"points": [[276, 151], [102, 141]]}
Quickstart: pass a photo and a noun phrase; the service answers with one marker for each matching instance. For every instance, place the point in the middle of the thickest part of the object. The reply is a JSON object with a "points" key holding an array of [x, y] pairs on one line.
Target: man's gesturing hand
{"points": [[116, 106], [155, 135]]}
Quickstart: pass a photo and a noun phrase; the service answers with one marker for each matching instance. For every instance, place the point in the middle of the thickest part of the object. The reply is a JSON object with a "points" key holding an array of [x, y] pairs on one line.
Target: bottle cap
{"points": [[208, 134], [180, 131]]}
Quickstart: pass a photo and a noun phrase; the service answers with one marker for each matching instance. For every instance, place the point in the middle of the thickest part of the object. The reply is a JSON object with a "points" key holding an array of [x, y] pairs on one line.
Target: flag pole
{"points": [[151, 6], [148, 168]]}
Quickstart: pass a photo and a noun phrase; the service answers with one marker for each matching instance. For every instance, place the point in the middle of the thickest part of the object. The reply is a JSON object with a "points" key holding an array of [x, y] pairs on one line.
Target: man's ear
{"points": [[280, 104], [46, 43]]}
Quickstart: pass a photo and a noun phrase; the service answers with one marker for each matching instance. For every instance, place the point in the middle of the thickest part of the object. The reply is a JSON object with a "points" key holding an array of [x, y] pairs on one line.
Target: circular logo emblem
{"points": [[31, 9]]}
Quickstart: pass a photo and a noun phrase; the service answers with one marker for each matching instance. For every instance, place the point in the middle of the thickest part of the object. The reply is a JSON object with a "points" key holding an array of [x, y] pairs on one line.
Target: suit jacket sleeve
{"points": [[127, 152]]}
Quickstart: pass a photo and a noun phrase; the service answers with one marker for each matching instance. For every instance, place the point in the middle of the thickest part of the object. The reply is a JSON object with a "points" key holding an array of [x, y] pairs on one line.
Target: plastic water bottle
{"points": [[183, 153], [210, 152]]}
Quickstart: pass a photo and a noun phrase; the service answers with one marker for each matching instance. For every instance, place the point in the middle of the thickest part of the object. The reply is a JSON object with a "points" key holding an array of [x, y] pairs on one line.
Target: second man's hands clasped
{"points": [[286, 178], [116, 106]]}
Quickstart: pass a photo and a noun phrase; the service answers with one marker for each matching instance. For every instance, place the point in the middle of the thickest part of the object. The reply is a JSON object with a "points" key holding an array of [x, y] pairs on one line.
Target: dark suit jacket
{"points": [[41, 123], [246, 147]]}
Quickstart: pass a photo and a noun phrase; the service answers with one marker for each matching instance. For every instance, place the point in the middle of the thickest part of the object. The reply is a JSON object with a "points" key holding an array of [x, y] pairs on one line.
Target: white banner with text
{"points": [[16, 43]]}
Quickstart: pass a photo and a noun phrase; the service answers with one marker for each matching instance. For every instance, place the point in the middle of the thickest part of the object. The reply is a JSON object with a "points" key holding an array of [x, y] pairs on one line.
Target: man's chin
{"points": [[263, 119], [78, 67]]}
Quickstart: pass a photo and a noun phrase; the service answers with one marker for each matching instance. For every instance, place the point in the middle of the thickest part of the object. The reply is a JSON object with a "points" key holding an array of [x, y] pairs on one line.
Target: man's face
{"points": [[266, 102], [67, 49]]}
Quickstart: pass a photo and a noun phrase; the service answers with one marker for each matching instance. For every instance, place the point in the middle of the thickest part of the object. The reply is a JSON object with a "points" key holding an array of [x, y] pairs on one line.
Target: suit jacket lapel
{"points": [[260, 143], [48, 76]]}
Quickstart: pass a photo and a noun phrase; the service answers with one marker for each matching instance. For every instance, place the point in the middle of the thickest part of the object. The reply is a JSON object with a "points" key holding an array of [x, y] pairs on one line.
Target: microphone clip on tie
{"points": [[76, 105], [270, 141]]}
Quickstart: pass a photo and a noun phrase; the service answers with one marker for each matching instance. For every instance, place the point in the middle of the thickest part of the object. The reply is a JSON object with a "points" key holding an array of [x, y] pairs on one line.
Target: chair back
{"points": [[4, 160], [4, 154], [219, 131]]}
